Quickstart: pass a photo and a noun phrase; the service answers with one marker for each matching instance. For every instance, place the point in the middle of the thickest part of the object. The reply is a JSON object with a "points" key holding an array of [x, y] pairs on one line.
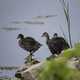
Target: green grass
{"points": [[57, 69]]}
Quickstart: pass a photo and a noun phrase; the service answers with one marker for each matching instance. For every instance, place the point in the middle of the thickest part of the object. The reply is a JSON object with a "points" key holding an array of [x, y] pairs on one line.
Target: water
{"points": [[7, 73]]}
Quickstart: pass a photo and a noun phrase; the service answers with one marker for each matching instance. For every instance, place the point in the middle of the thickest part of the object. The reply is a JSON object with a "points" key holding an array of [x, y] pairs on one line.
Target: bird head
{"points": [[45, 34], [55, 35], [20, 36]]}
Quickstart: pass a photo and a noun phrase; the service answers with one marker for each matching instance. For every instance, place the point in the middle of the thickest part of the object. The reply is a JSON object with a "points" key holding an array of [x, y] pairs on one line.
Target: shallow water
{"points": [[7, 73]]}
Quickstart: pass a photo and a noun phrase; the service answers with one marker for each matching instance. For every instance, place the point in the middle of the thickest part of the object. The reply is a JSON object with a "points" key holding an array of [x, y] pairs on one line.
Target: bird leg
{"points": [[29, 58]]}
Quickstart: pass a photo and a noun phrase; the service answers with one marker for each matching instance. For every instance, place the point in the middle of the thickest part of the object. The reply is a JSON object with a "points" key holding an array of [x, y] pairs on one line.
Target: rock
{"points": [[74, 63], [28, 71], [31, 72]]}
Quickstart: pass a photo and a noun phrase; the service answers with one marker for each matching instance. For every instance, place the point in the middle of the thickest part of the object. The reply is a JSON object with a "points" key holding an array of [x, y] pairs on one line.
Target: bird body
{"points": [[55, 44], [28, 43]]}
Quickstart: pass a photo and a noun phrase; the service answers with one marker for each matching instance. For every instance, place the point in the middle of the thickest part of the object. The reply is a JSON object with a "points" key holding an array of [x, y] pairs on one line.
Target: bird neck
{"points": [[47, 39], [22, 37]]}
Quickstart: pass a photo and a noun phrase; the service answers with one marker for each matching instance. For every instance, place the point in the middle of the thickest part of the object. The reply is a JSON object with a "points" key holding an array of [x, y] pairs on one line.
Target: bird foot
{"points": [[51, 57]]}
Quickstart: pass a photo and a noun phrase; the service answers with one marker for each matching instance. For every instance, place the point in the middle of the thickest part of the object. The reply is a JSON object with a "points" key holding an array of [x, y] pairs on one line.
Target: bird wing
{"points": [[29, 41], [61, 42], [56, 45], [65, 43]]}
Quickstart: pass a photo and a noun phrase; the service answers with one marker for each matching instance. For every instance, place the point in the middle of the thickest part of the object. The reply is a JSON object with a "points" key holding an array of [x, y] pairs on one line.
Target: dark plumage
{"points": [[56, 44], [28, 43]]}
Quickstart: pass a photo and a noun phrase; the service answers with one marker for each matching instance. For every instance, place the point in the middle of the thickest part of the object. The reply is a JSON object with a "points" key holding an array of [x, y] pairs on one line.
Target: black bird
{"points": [[29, 44], [55, 44]]}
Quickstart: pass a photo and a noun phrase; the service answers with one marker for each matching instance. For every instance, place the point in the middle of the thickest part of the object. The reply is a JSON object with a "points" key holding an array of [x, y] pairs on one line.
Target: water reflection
{"points": [[9, 28], [44, 17], [7, 73], [27, 22]]}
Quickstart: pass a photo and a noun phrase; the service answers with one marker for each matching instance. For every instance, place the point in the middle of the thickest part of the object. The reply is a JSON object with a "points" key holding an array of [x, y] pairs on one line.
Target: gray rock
{"points": [[28, 71]]}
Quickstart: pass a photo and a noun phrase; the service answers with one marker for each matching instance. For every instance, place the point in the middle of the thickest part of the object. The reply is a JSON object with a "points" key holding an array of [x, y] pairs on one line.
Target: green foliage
{"points": [[72, 52], [57, 69]]}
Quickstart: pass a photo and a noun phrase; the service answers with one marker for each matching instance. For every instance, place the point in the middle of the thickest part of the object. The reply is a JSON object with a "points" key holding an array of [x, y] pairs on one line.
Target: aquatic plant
{"points": [[67, 15]]}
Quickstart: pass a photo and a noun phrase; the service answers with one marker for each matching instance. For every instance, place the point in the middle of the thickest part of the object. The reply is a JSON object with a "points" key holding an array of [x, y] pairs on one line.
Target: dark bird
{"points": [[29, 44], [55, 44]]}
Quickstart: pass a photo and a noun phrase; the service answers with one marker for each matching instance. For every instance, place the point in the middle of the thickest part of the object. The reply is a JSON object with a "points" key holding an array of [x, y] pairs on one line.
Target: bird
{"points": [[29, 44], [56, 44]]}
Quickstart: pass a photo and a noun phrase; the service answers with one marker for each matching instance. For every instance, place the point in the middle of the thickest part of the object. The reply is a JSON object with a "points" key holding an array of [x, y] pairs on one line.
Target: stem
{"points": [[69, 30], [68, 22], [66, 12]]}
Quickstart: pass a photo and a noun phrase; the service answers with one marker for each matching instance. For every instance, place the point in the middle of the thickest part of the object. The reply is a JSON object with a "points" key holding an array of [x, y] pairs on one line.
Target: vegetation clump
{"points": [[57, 69]]}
